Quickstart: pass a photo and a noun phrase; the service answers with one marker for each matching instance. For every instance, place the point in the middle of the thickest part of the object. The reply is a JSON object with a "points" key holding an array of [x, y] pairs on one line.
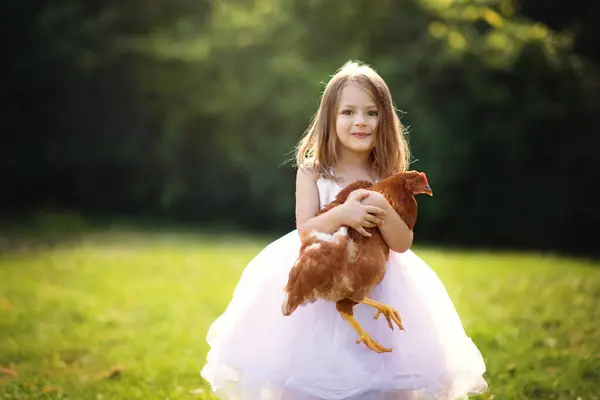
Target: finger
{"points": [[360, 194], [366, 221], [375, 210], [363, 232], [369, 224], [374, 220]]}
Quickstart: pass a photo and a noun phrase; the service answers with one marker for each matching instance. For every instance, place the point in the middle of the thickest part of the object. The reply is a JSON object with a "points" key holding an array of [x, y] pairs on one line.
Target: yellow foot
{"points": [[389, 312], [372, 344], [365, 338]]}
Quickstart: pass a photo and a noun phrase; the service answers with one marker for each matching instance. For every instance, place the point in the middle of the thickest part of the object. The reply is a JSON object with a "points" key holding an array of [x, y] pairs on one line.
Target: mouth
{"points": [[361, 135]]}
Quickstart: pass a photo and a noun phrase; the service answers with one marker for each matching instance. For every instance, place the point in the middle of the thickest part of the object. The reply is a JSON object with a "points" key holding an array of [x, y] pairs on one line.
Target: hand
{"points": [[360, 216], [376, 199]]}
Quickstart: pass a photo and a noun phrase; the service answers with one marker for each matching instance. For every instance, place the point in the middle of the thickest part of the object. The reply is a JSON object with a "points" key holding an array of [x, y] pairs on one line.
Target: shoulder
{"points": [[306, 175], [307, 184], [307, 194]]}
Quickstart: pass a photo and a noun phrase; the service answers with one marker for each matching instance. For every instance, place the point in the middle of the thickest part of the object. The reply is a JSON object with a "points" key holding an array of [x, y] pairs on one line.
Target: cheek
{"points": [[342, 122], [375, 122]]}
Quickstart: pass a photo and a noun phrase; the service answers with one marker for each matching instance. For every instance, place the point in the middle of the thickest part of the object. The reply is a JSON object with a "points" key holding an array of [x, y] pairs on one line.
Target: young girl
{"points": [[257, 353]]}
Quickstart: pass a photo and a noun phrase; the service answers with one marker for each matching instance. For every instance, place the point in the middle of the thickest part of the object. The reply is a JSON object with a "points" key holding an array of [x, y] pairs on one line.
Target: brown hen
{"points": [[345, 266]]}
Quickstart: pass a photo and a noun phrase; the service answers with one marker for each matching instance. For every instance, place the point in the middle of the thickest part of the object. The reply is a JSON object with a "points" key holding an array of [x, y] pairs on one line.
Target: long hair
{"points": [[318, 147]]}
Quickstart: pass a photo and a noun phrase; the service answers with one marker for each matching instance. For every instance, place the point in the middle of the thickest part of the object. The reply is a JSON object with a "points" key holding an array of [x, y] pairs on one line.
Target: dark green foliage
{"points": [[189, 110]]}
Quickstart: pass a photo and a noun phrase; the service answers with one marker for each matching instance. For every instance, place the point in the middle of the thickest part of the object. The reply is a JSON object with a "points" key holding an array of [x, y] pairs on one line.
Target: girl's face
{"points": [[356, 120]]}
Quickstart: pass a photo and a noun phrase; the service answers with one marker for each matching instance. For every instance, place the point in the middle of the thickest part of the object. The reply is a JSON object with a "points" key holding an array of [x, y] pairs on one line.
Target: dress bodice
{"points": [[328, 189]]}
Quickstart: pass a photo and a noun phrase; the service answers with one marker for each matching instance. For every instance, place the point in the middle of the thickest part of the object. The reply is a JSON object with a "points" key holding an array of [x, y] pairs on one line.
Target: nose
{"points": [[359, 119]]}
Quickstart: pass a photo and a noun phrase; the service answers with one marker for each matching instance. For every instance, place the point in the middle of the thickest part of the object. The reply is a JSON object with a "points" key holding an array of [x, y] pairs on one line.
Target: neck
{"points": [[349, 160]]}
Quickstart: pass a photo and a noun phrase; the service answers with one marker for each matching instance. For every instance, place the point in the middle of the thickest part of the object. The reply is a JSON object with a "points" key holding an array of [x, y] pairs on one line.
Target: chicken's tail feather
{"points": [[313, 271], [287, 308], [289, 305], [293, 297]]}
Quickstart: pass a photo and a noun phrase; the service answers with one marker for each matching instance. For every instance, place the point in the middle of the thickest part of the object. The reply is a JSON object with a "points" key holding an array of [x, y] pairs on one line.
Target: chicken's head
{"points": [[404, 183], [416, 183], [400, 189]]}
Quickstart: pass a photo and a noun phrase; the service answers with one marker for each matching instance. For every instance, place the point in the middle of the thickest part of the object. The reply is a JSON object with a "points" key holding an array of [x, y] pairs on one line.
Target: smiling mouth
{"points": [[361, 135]]}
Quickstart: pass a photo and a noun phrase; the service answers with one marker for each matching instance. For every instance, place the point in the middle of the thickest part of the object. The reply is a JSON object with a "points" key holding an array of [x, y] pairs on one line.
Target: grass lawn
{"points": [[123, 315]]}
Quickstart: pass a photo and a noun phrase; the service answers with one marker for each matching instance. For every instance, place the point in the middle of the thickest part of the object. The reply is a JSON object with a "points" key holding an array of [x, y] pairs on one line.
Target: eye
{"points": [[347, 112], [373, 113]]}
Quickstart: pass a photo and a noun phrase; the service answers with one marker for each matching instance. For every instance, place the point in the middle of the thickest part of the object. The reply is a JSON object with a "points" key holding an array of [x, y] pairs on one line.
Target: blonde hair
{"points": [[317, 149]]}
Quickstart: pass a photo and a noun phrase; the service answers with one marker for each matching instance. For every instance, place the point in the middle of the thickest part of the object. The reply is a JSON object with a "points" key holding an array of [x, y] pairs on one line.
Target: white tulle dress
{"points": [[256, 353]]}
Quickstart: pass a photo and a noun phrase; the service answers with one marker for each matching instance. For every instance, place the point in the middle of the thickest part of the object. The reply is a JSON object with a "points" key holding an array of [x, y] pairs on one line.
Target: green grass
{"points": [[123, 315]]}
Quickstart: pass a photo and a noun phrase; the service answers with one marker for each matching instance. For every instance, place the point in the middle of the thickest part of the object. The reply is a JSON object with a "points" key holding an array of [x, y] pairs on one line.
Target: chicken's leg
{"points": [[364, 336], [389, 312]]}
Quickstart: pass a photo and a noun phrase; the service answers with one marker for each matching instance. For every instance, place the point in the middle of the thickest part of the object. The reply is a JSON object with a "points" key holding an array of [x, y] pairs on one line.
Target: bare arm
{"points": [[394, 230], [307, 206]]}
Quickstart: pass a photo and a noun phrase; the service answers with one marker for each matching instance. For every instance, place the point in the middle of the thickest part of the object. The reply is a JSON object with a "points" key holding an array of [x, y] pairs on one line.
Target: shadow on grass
{"points": [[47, 230], [42, 230]]}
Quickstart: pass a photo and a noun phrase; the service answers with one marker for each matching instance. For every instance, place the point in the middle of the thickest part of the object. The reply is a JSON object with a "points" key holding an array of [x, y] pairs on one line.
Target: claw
{"points": [[364, 337], [390, 313], [373, 344]]}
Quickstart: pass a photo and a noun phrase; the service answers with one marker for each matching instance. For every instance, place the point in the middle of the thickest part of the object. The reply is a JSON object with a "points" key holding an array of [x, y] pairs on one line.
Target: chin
{"points": [[358, 147], [362, 149]]}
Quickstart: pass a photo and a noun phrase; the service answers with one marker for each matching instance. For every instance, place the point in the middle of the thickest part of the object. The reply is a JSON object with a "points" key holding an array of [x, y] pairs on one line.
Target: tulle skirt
{"points": [[257, 353]]}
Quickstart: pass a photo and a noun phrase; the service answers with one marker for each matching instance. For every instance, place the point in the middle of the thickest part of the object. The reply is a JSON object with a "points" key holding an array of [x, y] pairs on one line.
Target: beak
{"points": [[427, 190]]}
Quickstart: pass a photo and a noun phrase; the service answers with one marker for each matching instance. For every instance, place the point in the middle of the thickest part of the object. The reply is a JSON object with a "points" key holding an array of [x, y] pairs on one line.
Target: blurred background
{"points": [[145, 160], [188, 111]]}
